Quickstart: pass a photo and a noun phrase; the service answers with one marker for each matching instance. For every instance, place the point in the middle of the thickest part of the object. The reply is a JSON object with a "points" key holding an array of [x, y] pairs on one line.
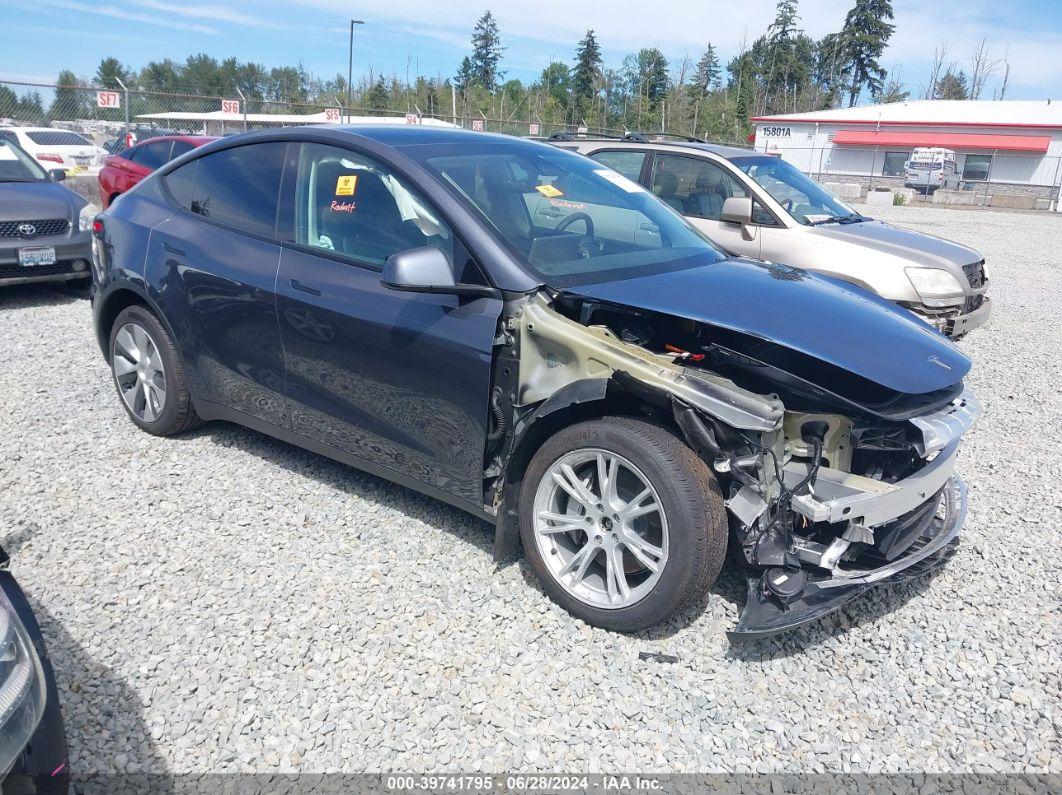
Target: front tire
{"points": [[622, 522], [149, 375]]}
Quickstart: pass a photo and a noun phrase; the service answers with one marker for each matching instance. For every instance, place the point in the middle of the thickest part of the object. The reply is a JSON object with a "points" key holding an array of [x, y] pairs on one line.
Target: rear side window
{"points": [[179, 148], [57, 138], [181, 182], [627, 162], [154, 154], [237, 187]]}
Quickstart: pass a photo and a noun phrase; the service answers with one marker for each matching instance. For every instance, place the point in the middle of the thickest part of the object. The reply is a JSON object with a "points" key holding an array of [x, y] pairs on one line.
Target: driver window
{"points": [[351, 205]]}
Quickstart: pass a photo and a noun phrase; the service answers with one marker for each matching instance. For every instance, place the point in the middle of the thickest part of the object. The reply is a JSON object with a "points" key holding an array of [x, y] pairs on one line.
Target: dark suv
{"points": [[530, 336]]}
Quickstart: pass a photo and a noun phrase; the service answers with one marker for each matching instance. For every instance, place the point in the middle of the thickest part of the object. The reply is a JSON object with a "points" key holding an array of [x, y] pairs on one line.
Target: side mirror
{"points": [[56, 174], [737, 210], [426, 270]]}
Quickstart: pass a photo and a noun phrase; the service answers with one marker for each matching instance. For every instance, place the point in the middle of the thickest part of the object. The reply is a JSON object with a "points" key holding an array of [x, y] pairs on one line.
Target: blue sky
{"points": [[43, 36]]}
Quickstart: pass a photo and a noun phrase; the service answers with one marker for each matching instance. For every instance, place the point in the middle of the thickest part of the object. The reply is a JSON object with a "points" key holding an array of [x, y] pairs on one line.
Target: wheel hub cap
{"points": [[138, 372], [600, 528]]}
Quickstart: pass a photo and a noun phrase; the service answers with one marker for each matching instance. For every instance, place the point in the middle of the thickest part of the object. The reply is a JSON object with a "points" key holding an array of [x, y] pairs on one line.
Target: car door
{"points": [[698, 187], [214, 264], [399, 380]]}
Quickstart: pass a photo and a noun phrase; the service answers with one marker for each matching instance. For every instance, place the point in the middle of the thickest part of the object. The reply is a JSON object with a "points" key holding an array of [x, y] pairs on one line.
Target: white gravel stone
{"points": [[226, 602]]}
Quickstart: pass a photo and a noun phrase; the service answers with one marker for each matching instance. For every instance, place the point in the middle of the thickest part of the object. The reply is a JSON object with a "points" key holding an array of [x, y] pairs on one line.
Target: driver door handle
{"points": [[647, 227], [305, 288]]}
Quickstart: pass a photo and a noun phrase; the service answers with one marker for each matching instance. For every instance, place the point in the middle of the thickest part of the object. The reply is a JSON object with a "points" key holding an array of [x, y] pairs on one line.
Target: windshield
{"points": [[17, 166], [806, 201], [572, 220], [57, 138]]}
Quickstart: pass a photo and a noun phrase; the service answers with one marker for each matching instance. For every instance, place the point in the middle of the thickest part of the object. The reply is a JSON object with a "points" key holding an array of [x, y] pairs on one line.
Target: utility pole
{"points": [[350, 66]]}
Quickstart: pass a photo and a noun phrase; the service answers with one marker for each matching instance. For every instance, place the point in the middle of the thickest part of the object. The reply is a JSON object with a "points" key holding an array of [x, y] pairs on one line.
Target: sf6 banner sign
{"points": [[230, 106], [331, 114], [532, 129], [108, 99], [477, 125]]}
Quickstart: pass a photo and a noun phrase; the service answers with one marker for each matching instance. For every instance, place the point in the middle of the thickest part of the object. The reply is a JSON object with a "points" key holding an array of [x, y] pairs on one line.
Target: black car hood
{"points": [[821, 317], [38, 201]]}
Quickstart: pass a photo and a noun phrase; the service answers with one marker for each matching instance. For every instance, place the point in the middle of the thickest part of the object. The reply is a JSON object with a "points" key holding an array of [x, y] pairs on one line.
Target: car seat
{"points": [[665, 186], [706, 200]]}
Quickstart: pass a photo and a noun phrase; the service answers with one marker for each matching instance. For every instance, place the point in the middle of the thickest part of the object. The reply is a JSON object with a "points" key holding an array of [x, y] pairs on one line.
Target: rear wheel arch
{"points": [[114, 303]]}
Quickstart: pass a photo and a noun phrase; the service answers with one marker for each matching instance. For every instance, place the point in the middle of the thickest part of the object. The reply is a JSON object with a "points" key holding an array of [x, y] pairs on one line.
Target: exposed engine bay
{"points": [[833, 483]]}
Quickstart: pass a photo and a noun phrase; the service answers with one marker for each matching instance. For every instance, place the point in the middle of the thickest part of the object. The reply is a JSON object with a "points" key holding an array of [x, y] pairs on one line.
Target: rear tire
{"points": [[149, 375], [659, 522]]}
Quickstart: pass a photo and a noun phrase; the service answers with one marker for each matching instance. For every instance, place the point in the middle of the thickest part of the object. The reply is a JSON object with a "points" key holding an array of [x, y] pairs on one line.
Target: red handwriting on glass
{"points": [[342, 207]]}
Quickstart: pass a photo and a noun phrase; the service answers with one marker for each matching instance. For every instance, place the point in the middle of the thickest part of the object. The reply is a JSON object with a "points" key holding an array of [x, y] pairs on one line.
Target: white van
{"points": [[931, 168]]}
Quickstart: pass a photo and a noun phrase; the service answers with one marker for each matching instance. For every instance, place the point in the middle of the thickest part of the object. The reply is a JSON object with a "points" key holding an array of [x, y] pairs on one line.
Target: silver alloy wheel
{"points": [[138, 369], [600, 528]]}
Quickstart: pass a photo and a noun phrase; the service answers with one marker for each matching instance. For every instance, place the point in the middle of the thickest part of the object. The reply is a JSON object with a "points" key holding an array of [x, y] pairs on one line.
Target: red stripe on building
{"points": [[901, 123], [1009, 143]]}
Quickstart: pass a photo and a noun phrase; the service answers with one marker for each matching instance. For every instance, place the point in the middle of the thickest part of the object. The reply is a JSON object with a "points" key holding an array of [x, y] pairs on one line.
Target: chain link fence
{"points": [[106, 115]]}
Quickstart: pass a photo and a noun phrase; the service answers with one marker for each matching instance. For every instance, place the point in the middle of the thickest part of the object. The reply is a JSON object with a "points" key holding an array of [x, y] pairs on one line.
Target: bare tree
{"points": [[982, 67], [1002, 91], [940, 55]]}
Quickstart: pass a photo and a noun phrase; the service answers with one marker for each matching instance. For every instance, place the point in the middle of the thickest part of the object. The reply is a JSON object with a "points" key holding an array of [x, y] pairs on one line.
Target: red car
{"points": [[122, 171]]}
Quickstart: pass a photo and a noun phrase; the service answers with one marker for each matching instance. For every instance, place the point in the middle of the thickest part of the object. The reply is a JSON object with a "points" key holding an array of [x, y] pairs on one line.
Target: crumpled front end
{"points": [[857, 504]]}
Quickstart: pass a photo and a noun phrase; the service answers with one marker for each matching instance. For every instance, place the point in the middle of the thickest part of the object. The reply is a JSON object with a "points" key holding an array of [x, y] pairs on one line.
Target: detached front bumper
{"points": [[960, 321], [826, 593]]}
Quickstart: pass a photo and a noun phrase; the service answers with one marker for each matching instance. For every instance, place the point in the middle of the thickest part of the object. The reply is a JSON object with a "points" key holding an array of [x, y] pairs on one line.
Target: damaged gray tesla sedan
{"points": [[608, 388]]}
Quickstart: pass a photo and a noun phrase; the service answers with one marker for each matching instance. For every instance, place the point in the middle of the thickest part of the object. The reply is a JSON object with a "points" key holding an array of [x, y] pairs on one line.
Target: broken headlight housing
{"points": [[936, 285], [22, 690]]}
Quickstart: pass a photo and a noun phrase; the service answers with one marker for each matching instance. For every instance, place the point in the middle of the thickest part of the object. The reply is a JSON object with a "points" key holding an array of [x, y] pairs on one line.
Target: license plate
{"points": [[82, 160], [40, 255]]}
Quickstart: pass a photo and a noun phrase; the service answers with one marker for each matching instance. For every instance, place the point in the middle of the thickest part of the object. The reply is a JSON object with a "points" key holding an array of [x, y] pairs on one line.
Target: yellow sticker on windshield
{"points": [[548, 191], [345, 185]]}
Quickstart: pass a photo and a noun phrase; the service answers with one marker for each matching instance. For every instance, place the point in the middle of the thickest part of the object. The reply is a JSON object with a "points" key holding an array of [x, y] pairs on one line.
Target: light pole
{"points": [[350, 65]]}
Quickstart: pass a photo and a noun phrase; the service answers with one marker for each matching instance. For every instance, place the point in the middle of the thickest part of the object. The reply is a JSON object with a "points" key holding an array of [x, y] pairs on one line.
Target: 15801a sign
{"points": [[777, 132]]}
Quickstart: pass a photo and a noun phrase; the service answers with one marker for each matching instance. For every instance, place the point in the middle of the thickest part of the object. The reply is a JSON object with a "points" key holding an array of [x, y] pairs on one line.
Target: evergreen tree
{"points": [[586, 74], [785, 19], [465, 76], [952, 85], [707, 76], [379, 97], [110, 71], [487, 52], [865, 35], [71, 100]]}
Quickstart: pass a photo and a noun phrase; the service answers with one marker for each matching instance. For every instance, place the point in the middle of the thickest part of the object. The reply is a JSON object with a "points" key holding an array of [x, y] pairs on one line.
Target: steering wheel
{"points": [[787, 205], [589, 246], [571, 219]]}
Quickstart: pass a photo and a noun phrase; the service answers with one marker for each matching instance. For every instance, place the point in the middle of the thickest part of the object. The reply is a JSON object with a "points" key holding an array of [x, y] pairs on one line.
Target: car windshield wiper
{"points": [[851, 218]]}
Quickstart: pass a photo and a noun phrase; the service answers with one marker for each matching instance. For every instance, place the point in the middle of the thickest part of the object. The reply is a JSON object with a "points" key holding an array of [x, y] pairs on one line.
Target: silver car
{"points": [[757, 205]]}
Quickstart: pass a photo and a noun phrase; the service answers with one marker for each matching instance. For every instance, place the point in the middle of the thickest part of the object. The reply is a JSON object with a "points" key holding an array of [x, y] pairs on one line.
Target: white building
{"points": [[1007, 142]]}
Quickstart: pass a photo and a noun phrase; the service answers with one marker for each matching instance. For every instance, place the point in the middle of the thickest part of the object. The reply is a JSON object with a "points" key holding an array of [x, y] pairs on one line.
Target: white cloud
{"points": [[132, 16], [212, 13]]}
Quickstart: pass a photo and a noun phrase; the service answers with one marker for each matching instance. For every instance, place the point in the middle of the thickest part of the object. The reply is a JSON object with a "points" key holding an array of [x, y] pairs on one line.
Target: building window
{"points": [[977, 167], [894, 164]]}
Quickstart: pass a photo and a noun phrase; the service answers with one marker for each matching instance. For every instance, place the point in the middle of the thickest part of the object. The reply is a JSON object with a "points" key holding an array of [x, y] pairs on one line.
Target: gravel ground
{"points": [[225, 602]]}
